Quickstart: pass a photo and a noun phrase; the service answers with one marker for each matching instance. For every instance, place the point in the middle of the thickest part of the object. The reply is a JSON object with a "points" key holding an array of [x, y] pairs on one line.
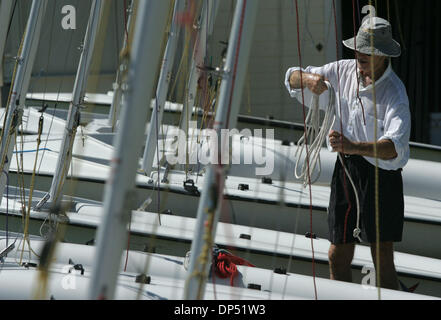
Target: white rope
{"points": [[357, 230], [318, 134]]}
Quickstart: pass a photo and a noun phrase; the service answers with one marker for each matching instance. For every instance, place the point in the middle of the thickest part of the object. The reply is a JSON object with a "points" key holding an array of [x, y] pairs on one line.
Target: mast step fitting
{"points": [[311, 235], [142, 278], [243, 187], [191, 188]]}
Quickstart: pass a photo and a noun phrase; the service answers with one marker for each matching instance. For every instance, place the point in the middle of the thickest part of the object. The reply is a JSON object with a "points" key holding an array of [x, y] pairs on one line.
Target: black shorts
{"points": [[391, 203]]}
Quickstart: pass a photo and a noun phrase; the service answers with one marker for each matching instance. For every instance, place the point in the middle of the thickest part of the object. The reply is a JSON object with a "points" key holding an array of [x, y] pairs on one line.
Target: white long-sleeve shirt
{"points": [[393, 114]]}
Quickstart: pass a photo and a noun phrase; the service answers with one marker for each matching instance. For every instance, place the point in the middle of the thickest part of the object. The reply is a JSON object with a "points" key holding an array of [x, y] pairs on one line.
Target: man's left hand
{"points": [[340, 143]]}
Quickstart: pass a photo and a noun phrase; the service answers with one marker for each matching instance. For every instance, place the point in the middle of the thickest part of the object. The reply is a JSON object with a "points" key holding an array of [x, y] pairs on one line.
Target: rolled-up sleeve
{"points": [[327, 71], [397, 123]]}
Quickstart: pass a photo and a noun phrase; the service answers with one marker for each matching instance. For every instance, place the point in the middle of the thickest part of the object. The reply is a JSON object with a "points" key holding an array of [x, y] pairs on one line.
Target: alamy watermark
{"points": [[69, 21], [69, 281], [229, 146], [369, 280]]}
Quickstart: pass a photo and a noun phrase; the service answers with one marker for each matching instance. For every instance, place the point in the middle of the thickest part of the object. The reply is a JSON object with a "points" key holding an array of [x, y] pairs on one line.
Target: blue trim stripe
{"points": [[26, 151]]}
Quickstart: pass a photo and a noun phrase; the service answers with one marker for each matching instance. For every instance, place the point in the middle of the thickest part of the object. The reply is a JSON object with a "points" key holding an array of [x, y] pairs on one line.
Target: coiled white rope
{"points": [[318, 134]]}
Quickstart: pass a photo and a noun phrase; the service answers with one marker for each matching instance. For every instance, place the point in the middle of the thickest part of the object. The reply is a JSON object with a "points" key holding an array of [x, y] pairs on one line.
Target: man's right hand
{"points": [[314, 82]]}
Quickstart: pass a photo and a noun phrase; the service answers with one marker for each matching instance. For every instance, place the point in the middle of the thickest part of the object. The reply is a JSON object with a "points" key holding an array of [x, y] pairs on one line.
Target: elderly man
{"points": [[361, 84]]}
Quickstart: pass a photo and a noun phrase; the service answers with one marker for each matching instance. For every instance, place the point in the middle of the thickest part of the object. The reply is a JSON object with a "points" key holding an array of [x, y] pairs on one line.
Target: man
{"points": [[359, 85]]}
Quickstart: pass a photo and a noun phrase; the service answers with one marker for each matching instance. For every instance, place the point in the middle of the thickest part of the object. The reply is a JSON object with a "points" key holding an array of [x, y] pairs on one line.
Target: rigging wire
{"points": [[57, 98], [377, 204], [31, 190], [345, 172], [307, 152], [59, 230], [217, 192], [126, 48]]}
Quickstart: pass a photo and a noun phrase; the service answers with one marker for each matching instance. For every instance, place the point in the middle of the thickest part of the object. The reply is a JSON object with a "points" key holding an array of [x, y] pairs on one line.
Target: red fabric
{"points": [[226, 266]]}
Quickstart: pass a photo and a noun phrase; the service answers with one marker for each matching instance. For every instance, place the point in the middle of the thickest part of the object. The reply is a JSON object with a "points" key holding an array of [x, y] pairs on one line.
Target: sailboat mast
{"points": [[25, 62], [116, 99], [118, 198], [161, 92], [239, 47], [206, 23], [73, 118]]}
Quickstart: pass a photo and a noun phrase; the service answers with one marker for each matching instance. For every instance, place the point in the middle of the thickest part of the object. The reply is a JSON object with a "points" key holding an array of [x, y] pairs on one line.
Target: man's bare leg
{"points": [[388, 274], [340, 258]]}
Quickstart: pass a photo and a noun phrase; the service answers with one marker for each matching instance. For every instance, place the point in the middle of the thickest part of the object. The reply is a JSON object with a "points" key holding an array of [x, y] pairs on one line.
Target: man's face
{"points": [[364, 62]]}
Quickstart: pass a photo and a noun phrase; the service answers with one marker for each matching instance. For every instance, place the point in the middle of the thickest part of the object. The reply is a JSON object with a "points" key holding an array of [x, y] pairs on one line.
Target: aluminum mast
{"points": [[239, 47], [112, 232]]}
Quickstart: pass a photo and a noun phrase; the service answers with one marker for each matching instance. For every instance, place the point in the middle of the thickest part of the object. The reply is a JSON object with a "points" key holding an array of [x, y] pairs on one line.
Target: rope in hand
{"points": [[317, 134]]}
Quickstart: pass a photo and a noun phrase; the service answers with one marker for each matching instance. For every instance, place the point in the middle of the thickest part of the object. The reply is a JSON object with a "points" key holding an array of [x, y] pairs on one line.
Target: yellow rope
{"points": [[40, 290], [20, 177], [377, 205], [205, 257], [31, 189]]}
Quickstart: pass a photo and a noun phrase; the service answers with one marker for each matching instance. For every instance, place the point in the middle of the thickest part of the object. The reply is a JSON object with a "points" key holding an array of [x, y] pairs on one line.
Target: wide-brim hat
{"points": [[378, 30]]}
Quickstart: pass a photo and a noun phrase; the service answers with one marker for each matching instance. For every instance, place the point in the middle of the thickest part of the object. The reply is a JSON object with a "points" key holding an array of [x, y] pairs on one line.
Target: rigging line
{"points": [[96, 59], [56, 104], [7, 207], [186, 19], [306, 145], [47, 66], [165, 197], [156, 106], [218, 168], [49, 55], [23, 201], [20, 181], [125, 19], [197, 40], [125, 47], [7, 35], [296, 223], [116, 30], [158, 160], [157, 128], [345, 187], [182, 65], [307, 5], [358, 12], [47, 258], [182, 82], [355, 51], [11, 90], [40, 74], [31, 190], [10, 21], [377, 208]]}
